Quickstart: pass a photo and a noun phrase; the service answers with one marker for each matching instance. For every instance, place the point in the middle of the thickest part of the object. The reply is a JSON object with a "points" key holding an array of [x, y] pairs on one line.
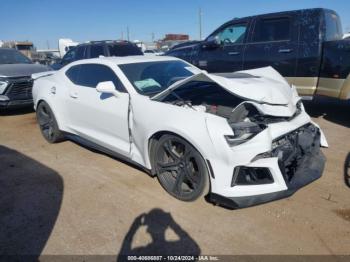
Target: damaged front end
{"points": [[300, 162], [262, 115], [293, 148]]}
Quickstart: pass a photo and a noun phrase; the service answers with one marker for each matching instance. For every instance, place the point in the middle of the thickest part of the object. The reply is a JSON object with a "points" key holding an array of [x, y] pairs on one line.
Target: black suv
{"points": [[95, 49]]}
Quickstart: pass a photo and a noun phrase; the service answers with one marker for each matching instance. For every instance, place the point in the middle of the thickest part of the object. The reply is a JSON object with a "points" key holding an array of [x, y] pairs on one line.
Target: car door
{"points": [[228, 55], [273, 42], [99, 118]]}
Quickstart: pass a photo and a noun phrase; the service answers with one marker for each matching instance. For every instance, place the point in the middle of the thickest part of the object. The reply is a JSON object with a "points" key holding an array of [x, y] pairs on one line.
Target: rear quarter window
{"points": [[333, 27]]}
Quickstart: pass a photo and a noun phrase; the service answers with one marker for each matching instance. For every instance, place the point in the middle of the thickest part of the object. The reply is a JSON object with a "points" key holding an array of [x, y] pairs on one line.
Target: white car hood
{"points": [[263, 85]]}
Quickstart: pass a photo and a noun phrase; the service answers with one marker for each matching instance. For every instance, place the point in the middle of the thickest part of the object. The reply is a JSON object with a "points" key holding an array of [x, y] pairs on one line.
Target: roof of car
{"points": [[113, 42], [120, 60], [137, 59], [306, 11]]}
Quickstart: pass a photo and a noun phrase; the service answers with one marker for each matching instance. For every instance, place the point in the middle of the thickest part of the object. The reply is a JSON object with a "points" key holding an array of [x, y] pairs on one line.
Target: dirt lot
{"points": [[66, 199]]}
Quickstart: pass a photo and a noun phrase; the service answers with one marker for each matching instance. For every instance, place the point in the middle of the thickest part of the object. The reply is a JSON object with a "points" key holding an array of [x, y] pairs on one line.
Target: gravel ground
{"points": [[66, 199]]}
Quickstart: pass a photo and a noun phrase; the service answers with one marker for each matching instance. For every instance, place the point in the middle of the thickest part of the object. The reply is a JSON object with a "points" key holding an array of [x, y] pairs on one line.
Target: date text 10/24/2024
{"points": [[173, 258]]}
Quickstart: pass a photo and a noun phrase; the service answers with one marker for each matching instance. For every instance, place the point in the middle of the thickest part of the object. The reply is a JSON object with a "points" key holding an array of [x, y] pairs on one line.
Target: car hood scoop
{"points": [[263, 85]]}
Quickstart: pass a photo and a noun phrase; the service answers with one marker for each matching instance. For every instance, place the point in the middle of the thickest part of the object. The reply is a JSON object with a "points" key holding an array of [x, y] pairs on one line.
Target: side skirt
{"points": [[91, 145]]}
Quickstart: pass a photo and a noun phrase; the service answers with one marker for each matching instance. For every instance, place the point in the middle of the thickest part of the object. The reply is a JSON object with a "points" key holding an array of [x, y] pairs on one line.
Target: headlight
{"points": [[242, 132], [300, 105], [3, 85]]}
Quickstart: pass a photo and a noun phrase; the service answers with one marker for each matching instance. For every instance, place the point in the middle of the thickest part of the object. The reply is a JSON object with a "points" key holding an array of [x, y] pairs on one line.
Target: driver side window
{"points": [[89, 75], [92, 74], [232, 34]]}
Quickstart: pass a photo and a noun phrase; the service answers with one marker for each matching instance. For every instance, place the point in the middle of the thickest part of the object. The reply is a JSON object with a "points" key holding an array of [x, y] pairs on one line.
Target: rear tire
{"points": [[180, 168], [48, 124]]}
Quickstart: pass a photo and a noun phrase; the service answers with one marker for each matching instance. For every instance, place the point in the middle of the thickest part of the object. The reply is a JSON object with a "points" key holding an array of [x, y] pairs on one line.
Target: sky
{"points": [[45, 21]]}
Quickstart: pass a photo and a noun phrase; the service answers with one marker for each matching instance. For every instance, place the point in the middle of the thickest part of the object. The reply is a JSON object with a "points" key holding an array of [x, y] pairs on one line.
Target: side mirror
{"points": [[212, 42], [107, 87]]}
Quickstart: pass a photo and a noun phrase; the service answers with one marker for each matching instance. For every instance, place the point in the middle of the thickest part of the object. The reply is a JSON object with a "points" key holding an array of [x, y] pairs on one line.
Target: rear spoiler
{"points": [[42, 74]]}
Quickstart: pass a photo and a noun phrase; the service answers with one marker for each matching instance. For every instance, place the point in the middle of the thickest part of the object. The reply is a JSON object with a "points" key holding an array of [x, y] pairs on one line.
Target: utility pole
{"points": [[127, 33], [200, 23]]}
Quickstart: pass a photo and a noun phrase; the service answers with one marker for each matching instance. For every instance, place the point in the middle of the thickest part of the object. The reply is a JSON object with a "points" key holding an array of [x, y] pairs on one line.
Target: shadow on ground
{"points": [[17, 111], [333, 110], [157, 222], [30, 201]]}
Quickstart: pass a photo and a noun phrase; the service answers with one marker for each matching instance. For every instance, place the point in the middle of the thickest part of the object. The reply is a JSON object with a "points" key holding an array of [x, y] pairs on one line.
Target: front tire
{"points": [[180, 168], [48, 124]]}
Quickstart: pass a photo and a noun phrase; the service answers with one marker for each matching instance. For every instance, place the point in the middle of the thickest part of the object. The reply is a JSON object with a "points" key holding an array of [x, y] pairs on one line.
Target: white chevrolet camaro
{"points": [[241, 138]]}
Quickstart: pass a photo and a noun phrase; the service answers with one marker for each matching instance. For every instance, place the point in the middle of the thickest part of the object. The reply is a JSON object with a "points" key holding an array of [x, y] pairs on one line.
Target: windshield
{"points": [[12, 56], [150, 78]]}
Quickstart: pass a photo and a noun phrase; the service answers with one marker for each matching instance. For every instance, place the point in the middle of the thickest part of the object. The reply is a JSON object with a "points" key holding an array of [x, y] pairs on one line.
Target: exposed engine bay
{"points": [[211, 98]]}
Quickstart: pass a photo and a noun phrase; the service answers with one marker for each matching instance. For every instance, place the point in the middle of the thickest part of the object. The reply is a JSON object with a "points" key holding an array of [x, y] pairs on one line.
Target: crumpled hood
{"points": [[262, 85], [17, 70]]}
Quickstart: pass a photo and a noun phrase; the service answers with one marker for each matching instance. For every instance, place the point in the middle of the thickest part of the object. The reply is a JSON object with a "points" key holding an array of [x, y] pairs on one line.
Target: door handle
{"points": [[74, 94], [287, 50], [233, 53]]}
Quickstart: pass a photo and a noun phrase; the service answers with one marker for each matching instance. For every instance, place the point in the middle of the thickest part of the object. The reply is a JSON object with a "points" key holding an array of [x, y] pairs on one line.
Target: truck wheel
{"points": [[48, 124], [180, 168]]}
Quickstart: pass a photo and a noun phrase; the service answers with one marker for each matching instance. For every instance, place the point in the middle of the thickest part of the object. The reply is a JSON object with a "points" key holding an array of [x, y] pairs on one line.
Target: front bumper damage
{"points": [[300, 162]]}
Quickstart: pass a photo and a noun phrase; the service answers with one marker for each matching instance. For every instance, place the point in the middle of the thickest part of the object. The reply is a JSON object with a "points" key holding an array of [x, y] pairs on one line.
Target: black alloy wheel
{"points": [[180, 168], [47, 123]]}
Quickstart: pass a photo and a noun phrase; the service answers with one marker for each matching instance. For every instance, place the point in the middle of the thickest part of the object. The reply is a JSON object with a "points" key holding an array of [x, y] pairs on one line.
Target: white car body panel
{"points": [[106, 120]]}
